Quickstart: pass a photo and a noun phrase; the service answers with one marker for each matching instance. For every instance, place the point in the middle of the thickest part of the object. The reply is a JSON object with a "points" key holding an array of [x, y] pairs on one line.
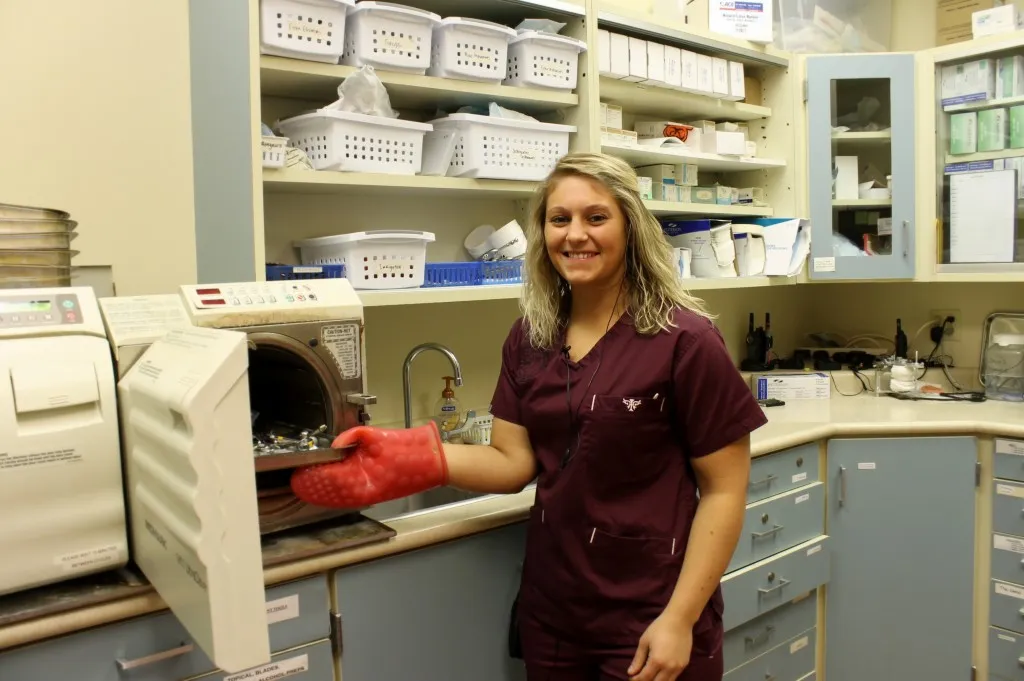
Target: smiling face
{"points": [[585, 233]]}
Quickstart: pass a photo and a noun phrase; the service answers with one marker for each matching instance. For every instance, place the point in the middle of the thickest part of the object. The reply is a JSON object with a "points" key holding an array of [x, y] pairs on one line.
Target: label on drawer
{"points": [[813, 550], [798, 645], [1004, 543], [1009, 590], [1010, 447], [866, 466], [824, 264], [1010, 491], [799, 477], [802, 498], [283, 609], [1004, 637], [274, 670]]}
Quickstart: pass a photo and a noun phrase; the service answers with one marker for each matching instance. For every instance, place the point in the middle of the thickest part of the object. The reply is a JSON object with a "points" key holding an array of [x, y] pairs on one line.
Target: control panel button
{"points": [[248, 300], [68, 304], [289, 298], [48, 317], [235, 301], [259, 300], [301, 297], [273, 299], [15, 319], [312, 296], [70, 316]]}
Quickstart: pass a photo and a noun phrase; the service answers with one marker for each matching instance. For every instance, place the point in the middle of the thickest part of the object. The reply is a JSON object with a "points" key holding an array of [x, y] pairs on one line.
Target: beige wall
{"points": [[96, 121]]}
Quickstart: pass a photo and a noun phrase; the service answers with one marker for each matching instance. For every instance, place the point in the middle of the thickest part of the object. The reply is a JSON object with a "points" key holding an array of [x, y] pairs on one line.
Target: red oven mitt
{"points": [[385, 464]]}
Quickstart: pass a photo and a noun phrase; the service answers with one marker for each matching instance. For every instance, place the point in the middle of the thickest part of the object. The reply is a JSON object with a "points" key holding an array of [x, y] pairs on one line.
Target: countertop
{"points": [[796, 423]]}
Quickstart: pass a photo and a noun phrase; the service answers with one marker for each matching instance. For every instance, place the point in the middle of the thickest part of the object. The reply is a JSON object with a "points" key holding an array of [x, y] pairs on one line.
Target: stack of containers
{"points": [[35, 247]]}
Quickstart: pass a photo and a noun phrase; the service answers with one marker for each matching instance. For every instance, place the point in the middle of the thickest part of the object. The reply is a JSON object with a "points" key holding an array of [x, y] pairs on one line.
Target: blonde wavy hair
{"points": [[654, 287]]}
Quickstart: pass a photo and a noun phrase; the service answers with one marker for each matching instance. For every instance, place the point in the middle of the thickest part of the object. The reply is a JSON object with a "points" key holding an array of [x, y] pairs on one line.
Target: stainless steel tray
{"points": [[22, 226], [35, 282], [10, 210], [54, 257], [280, 462]]}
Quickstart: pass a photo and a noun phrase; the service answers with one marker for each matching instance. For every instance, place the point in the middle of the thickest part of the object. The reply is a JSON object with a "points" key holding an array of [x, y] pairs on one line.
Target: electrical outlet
{"points": [[952, 330]]}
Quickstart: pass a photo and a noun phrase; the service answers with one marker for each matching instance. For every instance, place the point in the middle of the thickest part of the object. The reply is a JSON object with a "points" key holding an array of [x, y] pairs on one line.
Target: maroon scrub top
{"points": [[608, 532]]}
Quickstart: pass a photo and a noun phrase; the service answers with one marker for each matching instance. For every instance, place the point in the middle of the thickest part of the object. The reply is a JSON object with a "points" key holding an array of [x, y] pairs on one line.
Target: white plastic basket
{"points": [[503, 148], [389, 36], [304, 29], [339, 140], [470, 49], [545, 60], [380, 259], [275, 151]]}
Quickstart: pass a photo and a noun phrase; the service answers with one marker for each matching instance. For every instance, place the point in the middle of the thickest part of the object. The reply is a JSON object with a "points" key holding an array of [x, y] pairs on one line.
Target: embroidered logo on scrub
{"points": [[630, 403]]}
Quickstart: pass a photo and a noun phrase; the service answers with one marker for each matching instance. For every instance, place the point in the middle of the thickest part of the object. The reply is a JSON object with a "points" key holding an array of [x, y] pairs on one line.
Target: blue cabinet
{"points": [[901, 523], [443, 609], [860, 129]]}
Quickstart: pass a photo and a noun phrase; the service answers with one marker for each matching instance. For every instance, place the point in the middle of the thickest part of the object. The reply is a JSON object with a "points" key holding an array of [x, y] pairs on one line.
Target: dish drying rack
{"points": [[475, 431]]}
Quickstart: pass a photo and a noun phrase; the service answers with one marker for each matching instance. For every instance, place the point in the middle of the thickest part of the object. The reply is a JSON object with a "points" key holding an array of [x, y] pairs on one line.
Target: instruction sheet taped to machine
{"points": [[342, 341]]}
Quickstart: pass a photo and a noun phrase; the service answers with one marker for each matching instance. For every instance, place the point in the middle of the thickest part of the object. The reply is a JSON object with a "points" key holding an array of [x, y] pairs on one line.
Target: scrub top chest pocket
{"points": [[625, 436]]}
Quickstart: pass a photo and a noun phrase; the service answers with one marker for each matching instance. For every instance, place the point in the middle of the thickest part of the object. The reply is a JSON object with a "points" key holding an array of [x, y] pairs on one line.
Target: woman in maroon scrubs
{"points": [[617, 393]]}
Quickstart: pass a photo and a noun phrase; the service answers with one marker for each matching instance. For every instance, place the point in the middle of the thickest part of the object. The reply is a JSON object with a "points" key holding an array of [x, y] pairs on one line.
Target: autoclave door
{"points": [[191, 489]]}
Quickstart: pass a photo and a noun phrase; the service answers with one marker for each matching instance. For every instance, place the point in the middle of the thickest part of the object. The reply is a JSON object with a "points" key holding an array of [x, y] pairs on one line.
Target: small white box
{"points": [[723, 195], [949, 84], [688, 71], [655, 63], [751, 196], [604, 52], [695, 140], [665, 191], [646, 187], [686, 174], [847, 183], [673, 67], [706, 127], [705, 77], [751, 149], [1010, 77], [659, 172], [620, 56], [637, 60], [685, 194], [616, 136], [803, 386], [1005, 19], [737, 91], [884, 226], [725, 143], [611, 116], [978, 80], [720, 77]]}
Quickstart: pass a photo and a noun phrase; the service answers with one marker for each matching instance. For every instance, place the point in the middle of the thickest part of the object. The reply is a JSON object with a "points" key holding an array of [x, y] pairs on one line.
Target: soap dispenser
{"points": [[446, 411]]}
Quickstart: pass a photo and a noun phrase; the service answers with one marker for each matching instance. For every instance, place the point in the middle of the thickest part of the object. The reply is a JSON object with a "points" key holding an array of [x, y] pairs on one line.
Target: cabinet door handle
{"points": [[765, 592], [760, 638], [128, 665], [906, 238], [768, 676], [767, 533], [842, 485], [767, 480]]}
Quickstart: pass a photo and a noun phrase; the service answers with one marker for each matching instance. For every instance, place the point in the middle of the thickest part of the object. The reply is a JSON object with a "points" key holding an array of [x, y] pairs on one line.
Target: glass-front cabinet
{"points": [[861, 176], [979, 159]]}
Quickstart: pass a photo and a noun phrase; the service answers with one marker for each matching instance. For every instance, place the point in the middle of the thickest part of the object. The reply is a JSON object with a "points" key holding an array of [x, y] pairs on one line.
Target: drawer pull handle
{"points": [[128, 665], [767, 533], [765, 592], [760, 638], [842, 485], [767, 480]]}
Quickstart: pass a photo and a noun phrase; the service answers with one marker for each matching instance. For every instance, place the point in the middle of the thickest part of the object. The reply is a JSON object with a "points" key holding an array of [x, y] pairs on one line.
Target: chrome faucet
{"points": [[407, 373]]}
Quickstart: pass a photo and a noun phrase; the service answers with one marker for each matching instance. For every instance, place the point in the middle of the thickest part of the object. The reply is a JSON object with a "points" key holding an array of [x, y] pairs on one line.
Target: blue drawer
{"points": [[1009, 460], [779, 523], [308, 663], [1008, 558], [298, 613], [791, 661], [1008, 508], [780, 472], [774, 582], [1005, 655], [763, 633], [1006, 606]]}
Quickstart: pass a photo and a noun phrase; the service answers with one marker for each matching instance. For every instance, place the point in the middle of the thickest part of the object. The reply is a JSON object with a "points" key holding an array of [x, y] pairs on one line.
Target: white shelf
{"points": [[295, 181], [650, 100], [980, 272], [865, 138], [862, 203], [465, 294], [983, 156], [707, 209], [641, 155], [283, 77], [982, 105]]}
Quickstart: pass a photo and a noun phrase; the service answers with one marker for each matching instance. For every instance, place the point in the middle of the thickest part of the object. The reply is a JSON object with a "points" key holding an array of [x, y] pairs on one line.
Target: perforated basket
{"points": [[382, 259], [545, 60], [338, 140], [275, 151], [503, 148], [389, 36], [470, 49], [304, 29]]}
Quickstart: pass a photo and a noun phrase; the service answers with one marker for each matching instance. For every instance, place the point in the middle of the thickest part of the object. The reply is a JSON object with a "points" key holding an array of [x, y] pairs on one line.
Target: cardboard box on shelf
{"points": [[604, 52], [646, 187], [736, 81], [617, 136], [620, 56], [1010, 77], [1005, 19], [705, 75], [752, 91], [720, 77], [637, 60], [703, 194], [993, 129], [673, 67], [953, 19], [611, 116], [656, 64], [688, 71], [725, 143], [1017, 127], [963, 133], [804, 386]]}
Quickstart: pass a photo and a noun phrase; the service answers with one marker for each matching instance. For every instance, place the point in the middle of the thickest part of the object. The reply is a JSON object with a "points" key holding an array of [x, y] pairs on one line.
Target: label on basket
{"points": [[478, 54], [342, 341], [399, 43], [552, 68], [522, 153], [307, 29], [274, 670]]}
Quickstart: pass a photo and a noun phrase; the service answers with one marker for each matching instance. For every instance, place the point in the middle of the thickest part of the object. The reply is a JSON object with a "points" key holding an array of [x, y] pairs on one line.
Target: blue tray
{"points": [[289, 272], [441, 274]]}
